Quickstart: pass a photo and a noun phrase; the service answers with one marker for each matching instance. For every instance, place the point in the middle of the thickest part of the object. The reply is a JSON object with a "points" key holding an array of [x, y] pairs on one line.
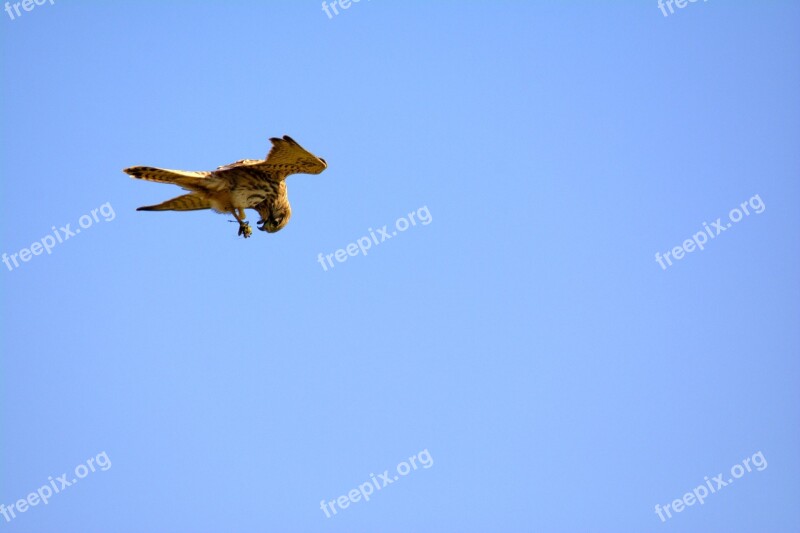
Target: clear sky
{"points": [[521, 341]]}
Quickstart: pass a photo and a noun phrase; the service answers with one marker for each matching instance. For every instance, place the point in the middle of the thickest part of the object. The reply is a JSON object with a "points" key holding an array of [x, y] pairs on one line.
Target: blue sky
{"points": [[525, 338]]}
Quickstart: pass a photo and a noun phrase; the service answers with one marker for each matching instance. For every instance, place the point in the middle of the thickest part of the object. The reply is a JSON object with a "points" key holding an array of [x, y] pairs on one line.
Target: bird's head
{"points": [[274, 219]]}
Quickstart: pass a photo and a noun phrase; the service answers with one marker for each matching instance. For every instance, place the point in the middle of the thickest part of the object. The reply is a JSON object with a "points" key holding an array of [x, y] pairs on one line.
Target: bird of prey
{"points": [[246, 184]]}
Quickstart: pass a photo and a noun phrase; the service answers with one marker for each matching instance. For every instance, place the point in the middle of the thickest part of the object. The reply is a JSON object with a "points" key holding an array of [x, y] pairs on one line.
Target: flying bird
{"points": [[246, 184]]}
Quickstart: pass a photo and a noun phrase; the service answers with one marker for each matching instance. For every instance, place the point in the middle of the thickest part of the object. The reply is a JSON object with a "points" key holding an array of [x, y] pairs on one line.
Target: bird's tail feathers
{"points": [[187, 202]]}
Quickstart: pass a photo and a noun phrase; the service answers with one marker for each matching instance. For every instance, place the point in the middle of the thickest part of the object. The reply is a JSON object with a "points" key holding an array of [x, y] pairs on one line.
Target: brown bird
{"points": [[246, 184]]}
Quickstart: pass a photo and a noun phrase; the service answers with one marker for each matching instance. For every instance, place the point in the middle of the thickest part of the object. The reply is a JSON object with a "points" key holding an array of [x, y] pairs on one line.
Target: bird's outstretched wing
{"points": [[285, 158], [184, 178], [240, 163], [288, 152]]}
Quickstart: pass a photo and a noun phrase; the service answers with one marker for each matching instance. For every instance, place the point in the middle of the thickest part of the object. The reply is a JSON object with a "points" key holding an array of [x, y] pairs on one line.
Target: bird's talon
{"points": [[245, 230]]}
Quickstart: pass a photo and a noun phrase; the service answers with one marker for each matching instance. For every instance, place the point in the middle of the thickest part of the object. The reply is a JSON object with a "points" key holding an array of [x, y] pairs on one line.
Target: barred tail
{"points": [[187, 202]]}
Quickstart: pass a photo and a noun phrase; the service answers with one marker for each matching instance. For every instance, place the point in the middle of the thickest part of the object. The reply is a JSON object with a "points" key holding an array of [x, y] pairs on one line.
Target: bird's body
{"points": [[246, 184]]}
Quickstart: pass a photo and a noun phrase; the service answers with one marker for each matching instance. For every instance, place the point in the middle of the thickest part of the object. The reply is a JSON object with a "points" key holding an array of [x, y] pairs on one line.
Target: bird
{"points": [[258, 184]]}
